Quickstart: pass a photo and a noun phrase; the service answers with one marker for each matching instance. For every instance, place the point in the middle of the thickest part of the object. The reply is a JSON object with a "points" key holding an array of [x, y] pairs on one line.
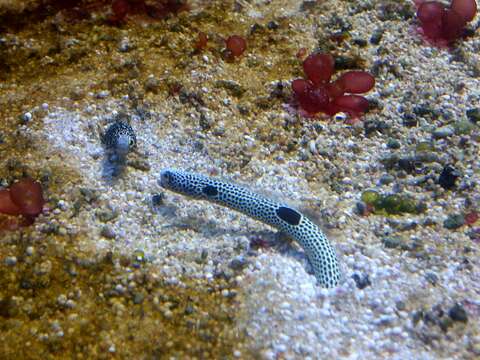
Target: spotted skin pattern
{"points": [[118, 132], [298, 227]]}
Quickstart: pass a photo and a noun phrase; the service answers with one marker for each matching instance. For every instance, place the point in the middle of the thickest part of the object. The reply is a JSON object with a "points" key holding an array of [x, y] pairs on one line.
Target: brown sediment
{"points": [[57, 302]]}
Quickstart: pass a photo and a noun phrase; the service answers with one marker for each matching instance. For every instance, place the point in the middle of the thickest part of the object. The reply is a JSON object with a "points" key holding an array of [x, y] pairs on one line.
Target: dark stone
{"points": [[410, 120], [454, 221], [239, 263], [417, 316], [361, 281], [376, 37], [231, 86], [157, 199], [289, 215], [372, 126], [393, 143], [386, 179], [458, 313], [106, 215], [445, 323], [360, 42], [206, 121], [431, 317], [152, 84], [278, 91], [26, 284], [393, 242], [210, 190], [431, 277], [422, 110], [255, 28], [189, 309], [448, 177], [308, 5], [273, 25], [390, 160], [407, 164], [362, 208], [474, 115], [89, 195], [138, 298], [107, 232], [400, 305]]}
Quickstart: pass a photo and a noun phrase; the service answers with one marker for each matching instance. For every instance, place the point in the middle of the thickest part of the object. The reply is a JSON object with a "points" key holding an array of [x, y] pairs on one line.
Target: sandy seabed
{"points": [[107, 272]]}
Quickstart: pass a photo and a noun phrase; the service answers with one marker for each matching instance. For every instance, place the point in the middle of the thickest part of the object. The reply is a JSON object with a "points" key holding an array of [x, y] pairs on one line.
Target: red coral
{"points": [[25, 198], [319, 94], [443, 25]]}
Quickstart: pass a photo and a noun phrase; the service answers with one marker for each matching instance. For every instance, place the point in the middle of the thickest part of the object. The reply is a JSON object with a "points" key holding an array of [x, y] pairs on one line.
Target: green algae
{"points": [[391, 204]]}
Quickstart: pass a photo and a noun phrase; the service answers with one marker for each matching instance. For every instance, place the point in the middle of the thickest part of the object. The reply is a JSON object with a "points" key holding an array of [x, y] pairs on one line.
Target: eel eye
{"points": [[132, 142]]}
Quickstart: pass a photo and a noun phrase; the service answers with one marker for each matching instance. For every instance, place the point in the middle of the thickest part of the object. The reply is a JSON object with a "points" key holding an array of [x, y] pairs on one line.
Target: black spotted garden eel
{"points": [[317, 248]]}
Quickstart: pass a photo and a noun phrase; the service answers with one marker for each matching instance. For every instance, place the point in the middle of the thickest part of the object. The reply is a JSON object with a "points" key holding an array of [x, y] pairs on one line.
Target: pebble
{"points": [[102, 94], [108, 232], [448, 177], [152, 84], [362, 281], [454, 221], [431, 277], [426, 157], [463, 127], [473, 115], [158, 199], [458, 313], [106, 215], [62, 300], [393, 143], [125, 45], [139, 164], [77, 93], [120, 289], [10, 261], [231, 86], [393, 242], [26, 117], [376, 36], [443, 132], [138, 298], [238, 263]]}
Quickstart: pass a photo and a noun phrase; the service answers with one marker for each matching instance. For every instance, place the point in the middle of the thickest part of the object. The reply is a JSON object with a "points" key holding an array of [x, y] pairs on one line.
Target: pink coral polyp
{"points": [[443, 25], [318, 94]]}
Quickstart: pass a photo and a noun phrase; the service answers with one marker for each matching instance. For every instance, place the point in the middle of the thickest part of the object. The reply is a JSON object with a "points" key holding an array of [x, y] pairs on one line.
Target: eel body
{"points": [[315, 244]]}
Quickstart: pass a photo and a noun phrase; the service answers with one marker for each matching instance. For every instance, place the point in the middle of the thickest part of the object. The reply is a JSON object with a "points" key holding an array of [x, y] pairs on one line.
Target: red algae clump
{"points": [[201, 42], [24, 198], [236, 45], [158, 9], [471, 218], [317, 93], [443, 25]]}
